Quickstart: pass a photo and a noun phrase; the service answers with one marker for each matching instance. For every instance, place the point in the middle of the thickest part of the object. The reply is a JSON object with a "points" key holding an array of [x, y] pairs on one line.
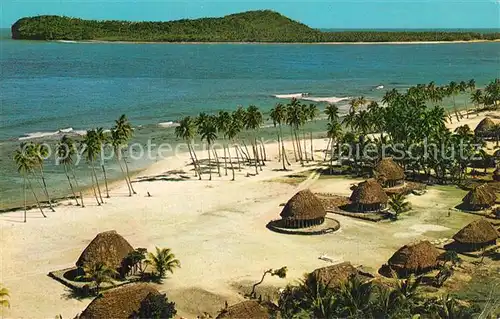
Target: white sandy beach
{"points": [[215, 228]]}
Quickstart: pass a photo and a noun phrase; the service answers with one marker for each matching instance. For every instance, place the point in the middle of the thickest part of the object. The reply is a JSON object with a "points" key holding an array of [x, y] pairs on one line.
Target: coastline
{"points": [[195, 219], [271, 43]]}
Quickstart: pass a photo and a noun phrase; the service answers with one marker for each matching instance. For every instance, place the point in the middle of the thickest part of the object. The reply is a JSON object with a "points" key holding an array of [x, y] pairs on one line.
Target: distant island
{"points": [[252, 26]]}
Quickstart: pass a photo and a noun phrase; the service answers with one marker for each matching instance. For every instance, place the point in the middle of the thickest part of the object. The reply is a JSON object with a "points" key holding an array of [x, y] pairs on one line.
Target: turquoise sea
{"points": [[49, 86]]}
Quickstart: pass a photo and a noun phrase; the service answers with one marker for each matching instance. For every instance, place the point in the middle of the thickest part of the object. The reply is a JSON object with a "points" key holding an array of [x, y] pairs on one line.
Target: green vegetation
{"points": [[99, 273], [163, 261], [251, 26], [4, 294], [156, 307]]}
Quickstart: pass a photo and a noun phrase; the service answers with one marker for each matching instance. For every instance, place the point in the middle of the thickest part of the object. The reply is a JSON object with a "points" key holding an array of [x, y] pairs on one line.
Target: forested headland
{"points": [[251, 26]]}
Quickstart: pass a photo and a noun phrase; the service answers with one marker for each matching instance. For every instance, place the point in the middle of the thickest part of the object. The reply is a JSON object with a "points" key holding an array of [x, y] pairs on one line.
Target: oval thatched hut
{"points": [[108, 247], [119, 303], [481, 197], [476, 235], [246, 309], [335, 275], [415, 258], [303, 210], [485, 128], [389, 173], [369, 196]]}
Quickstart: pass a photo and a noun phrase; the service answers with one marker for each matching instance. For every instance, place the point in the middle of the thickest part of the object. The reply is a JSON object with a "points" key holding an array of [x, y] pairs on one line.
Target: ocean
{"points": [[50, 86]]}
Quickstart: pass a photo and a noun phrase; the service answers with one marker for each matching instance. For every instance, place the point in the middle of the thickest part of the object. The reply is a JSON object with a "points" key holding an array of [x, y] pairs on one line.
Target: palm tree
{"points": [[187, 131], [102, 141], [39, 153], [477, 98], [99, 273], [117, 142], [312, 113], [208, 132], [399, 204], [239, 116], [25, 163], [4, 294], [90, 148], [163, 261], [453, 90], [65, 152], [253, 121], [233, 129], [222, 122], [124, 132], [278, 116], [334, 133], [303, 119], [294, 119]]}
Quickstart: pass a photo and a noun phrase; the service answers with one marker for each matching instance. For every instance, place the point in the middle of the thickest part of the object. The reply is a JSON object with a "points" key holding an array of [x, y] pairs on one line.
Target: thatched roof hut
{"points": [[415, 258], [118, 303], [478, 234], [108, 247], [246, 309], [304, 209], [369, 196], [481, 197], [389, 173], [335, 275], [485, 128]]}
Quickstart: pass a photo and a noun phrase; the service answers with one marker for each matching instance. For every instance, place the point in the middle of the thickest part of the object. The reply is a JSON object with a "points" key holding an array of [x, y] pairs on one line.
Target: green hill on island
{"points": [[251, 26]]}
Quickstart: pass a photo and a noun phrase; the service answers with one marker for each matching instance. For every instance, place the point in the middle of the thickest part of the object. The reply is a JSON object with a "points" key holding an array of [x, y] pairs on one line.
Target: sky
{"points": [[343, 14]]}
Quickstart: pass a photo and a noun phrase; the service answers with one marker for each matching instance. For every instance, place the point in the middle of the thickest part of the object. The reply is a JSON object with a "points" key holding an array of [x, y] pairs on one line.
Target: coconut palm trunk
{"points": [[77, 187], [263, 154], [192, 160], [97, 183], [93, 189], [117, 157], [230, 161], [196, 161], [239, 157], [24, 191], [105, 180], [299, 149], [293, 144], [279, 147], [128, 176], [257, 155], [217, 160], [247, 152], [283, 152], [312, 147], [36, 198], [225, 157], [305, 145], [45, 189], [209, 162], [256, 161], [243, 153], [327, 149], [71, 184]]}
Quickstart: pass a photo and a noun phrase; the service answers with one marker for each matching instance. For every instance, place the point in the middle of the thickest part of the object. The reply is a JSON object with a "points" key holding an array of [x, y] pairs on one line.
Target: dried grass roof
{"points": [[369, 192], [389, 169], [118, 303], [478, 232], [108, 247], [486, 125], [246, 309], [303, 206], [334, 275], [482, 195], [415, 257]]}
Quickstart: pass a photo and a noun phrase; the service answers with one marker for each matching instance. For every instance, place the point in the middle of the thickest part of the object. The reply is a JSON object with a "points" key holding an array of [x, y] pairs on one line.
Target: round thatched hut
{"points": [[496, 174], [485, 128], [119, 303], [303, 210], [389, 173], [246, 309], [108, 247], [481, 197], [478, 234], [335, 275], [415, 258], [369, 196]]}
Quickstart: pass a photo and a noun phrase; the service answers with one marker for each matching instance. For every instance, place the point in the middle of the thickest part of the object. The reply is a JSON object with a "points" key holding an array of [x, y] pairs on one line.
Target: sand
{"points": [[215, 228]]}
